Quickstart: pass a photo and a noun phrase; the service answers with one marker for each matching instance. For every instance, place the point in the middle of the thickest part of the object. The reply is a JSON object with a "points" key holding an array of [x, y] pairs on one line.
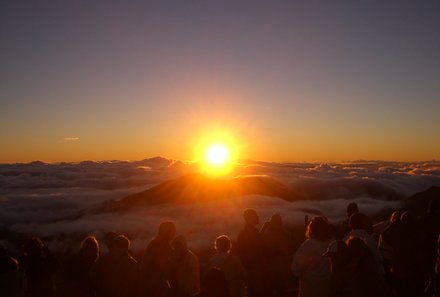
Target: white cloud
{"points": [[69, 139]]}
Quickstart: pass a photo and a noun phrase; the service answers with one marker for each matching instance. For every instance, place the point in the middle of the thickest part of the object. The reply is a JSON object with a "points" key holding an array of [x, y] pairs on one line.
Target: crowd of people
{"points": [[399, 257]]}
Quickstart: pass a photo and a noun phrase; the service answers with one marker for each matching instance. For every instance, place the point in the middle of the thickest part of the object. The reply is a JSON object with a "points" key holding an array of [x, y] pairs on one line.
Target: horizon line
{"points": [[240, 160]]}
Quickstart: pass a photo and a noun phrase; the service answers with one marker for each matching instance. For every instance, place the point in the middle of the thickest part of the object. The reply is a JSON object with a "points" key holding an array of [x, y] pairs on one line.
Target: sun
{"points": [[216, 152], [218, 159], [217, 155]]}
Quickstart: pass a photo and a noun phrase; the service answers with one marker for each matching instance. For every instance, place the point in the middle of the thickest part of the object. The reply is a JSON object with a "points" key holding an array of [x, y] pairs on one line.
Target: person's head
{"points": [[276, 220], [214, 283], [352, 208], [120, 245], [407, 220], [250, 216], [222, 244], [108, 239], [179, 245], [34, 246], [337, 252], [8, 264], [395, 216], [167, 231], [319, 229], [90, 247]]}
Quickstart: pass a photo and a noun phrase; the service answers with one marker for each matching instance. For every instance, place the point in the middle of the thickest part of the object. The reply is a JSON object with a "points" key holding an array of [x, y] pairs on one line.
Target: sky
{"points": [[285, 81]]}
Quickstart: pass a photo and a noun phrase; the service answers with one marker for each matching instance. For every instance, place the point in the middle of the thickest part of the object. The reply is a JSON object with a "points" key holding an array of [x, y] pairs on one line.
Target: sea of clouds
{"points": [[39, 198]]}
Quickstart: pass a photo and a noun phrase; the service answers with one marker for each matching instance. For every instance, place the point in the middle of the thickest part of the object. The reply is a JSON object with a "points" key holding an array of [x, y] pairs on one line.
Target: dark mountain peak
{"points": [[196, 188], [154, 162]]}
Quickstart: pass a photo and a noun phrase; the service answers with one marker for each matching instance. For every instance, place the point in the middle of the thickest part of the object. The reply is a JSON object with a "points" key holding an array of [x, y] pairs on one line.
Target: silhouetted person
{"points": [[430, 224], [156, 263], [251, 251], [365, 280], [77, 273], [185, 273], [214, 284], [229, 264], [385, 238], [39, 265], [12, 278], [116, 274], [312, 269], [341, 281], [406, 263], [359, 225], [436, 280], [278, 246], [344, 227], [108, 239]]}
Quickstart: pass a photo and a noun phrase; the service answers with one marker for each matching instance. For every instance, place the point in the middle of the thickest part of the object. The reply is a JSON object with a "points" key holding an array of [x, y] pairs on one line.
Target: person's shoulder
{"points": [[132, 260], [192, 256], [234, 260]]}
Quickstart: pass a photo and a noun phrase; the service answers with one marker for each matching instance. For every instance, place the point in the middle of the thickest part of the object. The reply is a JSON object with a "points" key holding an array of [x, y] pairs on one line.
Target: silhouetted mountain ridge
{"points": [[196, 188], [419, 202]]}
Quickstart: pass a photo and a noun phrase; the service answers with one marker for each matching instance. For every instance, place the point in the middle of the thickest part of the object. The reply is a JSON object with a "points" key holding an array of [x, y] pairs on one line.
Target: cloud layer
{"points": [[35, 197]]}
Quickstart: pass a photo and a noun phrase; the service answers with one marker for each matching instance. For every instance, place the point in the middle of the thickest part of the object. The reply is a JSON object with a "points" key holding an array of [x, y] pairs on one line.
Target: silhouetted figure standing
{"points": [[278, 246], [12, 278], [359, 224], [214, 284], [365, 280], [251, 251], [77, 273], [116, 274], [108, 239], [185, 272], [388, 236], [156, 263], [312, 269], [341, 282], [406, 264], [231, 266], [39, 265], [435, 281], [344, 227], [430, 225]]}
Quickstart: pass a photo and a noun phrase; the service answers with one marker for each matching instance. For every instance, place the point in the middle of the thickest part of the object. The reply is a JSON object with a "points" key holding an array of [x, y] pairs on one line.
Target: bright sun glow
{"points": [[216, 152], [217, 155]]}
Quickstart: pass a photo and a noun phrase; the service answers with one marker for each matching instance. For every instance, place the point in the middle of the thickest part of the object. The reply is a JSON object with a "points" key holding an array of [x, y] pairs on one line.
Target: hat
{"points": [[335, 247]]}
